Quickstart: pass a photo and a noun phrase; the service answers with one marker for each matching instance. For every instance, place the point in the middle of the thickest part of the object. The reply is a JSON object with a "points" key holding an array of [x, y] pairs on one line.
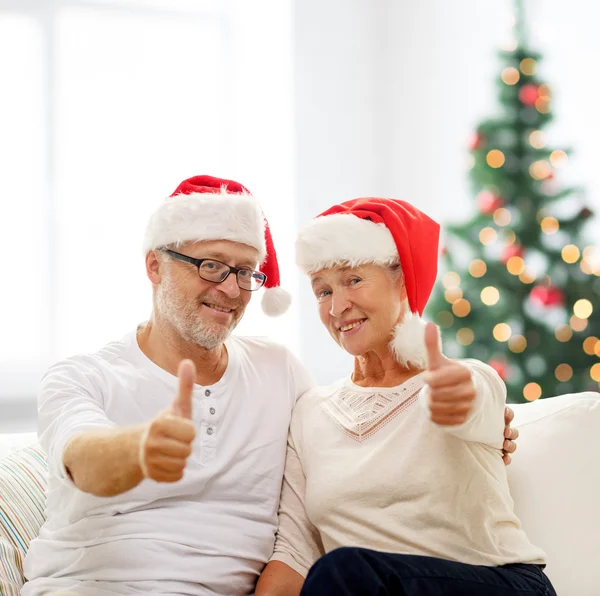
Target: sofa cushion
{"points": [[555, 483], [23, 478]]}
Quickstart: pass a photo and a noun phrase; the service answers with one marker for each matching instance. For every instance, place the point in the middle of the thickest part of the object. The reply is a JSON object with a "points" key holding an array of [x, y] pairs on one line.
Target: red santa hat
{"points": [[383, 232], [208, 208]]}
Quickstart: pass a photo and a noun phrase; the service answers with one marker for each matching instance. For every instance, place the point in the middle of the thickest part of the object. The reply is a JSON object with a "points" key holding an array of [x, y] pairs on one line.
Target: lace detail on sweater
{"points": [[360, 414]]}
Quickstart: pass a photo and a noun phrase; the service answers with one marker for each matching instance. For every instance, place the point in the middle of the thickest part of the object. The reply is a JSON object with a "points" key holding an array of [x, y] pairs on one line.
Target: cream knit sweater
{"points": [[366, 467]]}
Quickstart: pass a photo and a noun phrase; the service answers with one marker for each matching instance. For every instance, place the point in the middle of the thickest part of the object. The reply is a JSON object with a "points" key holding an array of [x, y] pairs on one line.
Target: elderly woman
{"points": [[394, 481]]}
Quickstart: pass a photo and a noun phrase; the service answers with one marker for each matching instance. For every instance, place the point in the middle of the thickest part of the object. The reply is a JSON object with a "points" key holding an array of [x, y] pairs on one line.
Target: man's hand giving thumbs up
{"points": [[167, 441]]}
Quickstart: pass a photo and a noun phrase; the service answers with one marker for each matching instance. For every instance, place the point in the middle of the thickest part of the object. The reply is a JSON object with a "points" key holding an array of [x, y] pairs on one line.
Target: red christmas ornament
{"points": [[500, 367], [488, 202], [544, 296], [476, 141], [513, 250], [528, 94]]}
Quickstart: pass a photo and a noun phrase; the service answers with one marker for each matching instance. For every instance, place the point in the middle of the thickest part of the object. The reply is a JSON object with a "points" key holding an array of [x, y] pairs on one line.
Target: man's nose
{"points": [[230, 286]]}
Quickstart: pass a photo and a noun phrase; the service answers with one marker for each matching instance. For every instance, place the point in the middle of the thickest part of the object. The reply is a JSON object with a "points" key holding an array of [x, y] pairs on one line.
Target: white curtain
{"points": [[105, 108]]}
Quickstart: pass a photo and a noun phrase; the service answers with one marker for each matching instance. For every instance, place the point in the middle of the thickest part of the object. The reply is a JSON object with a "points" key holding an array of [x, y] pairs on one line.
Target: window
{"points": [[106, 107]]}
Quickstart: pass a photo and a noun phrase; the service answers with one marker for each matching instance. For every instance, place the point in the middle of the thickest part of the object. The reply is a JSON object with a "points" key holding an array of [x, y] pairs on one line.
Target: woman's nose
{"points": [[339, 304]]}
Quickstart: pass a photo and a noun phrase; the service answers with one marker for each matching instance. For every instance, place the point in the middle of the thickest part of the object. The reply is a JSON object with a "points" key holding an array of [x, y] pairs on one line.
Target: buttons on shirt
{"points": [[209, 425]]}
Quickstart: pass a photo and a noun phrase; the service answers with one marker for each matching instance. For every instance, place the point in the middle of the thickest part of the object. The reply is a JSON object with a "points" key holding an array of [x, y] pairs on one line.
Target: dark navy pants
{"points": [[363, 572]]}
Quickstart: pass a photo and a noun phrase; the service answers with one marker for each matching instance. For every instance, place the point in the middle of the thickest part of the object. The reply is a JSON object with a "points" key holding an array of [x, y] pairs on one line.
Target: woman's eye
{"points": [[354, 281], [323, 293]]}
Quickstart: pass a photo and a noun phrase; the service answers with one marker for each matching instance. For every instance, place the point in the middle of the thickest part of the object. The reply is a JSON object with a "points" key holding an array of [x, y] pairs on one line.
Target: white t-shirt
{"points": [[210, 533], [366, 467]]}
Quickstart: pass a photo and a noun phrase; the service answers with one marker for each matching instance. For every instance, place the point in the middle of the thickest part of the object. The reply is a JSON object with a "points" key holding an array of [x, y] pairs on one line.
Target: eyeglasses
{"points": [[217, 272]]}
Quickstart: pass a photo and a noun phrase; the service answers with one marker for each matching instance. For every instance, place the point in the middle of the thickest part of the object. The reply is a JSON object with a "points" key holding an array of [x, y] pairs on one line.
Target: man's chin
{"points": [[212, 336]]}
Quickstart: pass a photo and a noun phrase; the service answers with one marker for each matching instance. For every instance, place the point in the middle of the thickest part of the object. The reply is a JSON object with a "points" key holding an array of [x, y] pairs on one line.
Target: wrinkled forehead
{"points": [[228, 251]]}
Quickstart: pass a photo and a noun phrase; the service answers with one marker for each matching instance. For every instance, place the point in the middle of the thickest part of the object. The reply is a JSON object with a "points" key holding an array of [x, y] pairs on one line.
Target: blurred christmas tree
{"points": [[521, 287]]}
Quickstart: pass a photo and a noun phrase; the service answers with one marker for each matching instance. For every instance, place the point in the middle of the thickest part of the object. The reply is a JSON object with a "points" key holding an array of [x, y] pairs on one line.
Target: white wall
{"points": [[389, 91], [341, 139]]}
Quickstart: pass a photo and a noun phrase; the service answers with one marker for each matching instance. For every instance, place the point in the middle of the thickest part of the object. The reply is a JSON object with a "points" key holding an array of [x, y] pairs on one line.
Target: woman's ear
{"points": [[401, 286]]}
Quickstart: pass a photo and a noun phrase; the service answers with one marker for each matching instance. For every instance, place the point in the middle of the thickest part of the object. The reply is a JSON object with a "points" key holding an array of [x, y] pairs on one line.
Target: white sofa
{"points": [[555, 483], [9, 443], [554, 478]]}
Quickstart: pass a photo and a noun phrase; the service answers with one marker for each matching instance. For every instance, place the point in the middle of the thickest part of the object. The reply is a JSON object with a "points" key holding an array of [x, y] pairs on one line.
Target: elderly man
{"points": [[166, 448]]}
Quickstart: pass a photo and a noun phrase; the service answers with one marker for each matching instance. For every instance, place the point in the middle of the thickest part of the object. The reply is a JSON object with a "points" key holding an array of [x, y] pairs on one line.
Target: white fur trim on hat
{"points": [[342, 238], [205, 216], [408, 344], [275, 301]]}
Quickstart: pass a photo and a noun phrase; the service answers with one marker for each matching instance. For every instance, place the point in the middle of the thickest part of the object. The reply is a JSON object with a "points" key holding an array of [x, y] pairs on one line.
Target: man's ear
{"points": [[154, 266]]}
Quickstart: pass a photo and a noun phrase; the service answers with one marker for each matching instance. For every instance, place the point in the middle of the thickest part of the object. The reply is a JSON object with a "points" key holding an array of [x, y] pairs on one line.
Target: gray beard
{"points": [[186, 319]]}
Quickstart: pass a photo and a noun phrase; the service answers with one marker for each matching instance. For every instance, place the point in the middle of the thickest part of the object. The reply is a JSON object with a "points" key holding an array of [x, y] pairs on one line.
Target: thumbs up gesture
{"points": [[452, 392], [182, 404], [167, 440]]}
